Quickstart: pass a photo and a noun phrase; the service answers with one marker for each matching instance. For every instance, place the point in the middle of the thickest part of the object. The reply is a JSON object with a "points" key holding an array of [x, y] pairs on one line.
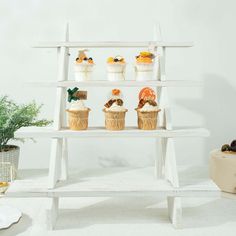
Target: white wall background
{"points": [[210, 24]]}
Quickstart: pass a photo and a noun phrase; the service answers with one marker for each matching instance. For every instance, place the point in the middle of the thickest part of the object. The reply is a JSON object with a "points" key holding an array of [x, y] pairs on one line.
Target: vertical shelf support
{"points": [[58, 168], [53, 213], [166, 166]]}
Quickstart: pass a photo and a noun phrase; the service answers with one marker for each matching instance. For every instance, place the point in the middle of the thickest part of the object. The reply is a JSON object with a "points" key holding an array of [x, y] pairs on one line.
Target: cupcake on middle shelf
{"points": [[147, 110], [144, 66], [116, 68], [83, 66], [115, 111], [78, 112]]}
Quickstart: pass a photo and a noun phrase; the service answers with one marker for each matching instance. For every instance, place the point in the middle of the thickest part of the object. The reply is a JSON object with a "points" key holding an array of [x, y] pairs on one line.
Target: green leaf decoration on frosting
{"points": [[71, 94]]}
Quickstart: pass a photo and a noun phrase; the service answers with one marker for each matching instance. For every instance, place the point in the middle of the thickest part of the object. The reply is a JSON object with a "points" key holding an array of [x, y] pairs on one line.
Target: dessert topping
{"points": [[117, 59], [118, 101], [147, 94], [142, 102], [145, 57], [229, 148], [74, 94], [115, 92], [82, 57]]}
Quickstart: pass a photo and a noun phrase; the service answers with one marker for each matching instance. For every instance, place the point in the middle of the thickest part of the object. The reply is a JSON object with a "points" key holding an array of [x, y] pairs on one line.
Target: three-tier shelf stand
{"points": [[167, 181]]}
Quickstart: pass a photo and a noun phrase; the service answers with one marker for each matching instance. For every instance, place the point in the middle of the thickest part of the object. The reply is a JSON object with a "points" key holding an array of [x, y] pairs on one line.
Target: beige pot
{"points": [[115, 120], [223, 170], [78, 120], [9, 163]]}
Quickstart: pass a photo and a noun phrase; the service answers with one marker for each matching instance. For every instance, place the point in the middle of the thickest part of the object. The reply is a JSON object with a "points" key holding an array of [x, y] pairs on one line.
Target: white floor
{"points": [[123, 216], [120, 216]]}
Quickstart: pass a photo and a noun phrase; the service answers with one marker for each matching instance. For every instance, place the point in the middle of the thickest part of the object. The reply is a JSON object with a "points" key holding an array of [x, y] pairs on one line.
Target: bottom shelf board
{"points": [[111, 182]]}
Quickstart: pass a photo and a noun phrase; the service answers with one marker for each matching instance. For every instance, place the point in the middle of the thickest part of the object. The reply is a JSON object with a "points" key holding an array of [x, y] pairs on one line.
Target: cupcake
{"points": [[83, 66], [115, 112], [116, 68], [144, 66], [147, 109], [78, 113]]}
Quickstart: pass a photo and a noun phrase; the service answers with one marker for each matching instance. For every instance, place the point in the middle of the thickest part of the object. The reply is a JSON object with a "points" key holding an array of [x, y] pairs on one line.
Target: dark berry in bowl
{"points": [[225, 148], [233, 143], [116, 60], [85, 59]]}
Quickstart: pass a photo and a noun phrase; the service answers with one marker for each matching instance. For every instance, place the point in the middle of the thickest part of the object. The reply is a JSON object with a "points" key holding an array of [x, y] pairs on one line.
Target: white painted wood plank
{"points": [[53, 213], [60, 94], [175, 211], [110, 44], [125, 83], [171, 172], [168, 154], [64, 160], [110, 183], [44, 132], [55, 164]]}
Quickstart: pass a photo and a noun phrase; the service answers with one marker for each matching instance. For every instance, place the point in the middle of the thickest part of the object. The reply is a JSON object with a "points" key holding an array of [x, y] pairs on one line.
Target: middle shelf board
{"points": [[113, 182], [45, 132], [124, 83]]}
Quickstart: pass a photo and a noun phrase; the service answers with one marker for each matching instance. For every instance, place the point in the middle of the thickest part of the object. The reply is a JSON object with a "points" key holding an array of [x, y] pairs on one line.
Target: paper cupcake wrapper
{"points": [[78, 120], [114, 120], [147, 120]]}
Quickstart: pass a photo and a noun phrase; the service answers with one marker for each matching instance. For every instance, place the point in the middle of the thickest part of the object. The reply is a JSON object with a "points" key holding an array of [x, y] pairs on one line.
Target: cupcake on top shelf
{"points": [[115, 111], [78, 112], [83, 66], [144, 66], [147, 109], [116, 68]]}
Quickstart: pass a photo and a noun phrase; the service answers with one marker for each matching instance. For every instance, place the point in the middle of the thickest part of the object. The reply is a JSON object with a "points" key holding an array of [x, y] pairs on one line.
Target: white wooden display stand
{"points": [[165, 164]]}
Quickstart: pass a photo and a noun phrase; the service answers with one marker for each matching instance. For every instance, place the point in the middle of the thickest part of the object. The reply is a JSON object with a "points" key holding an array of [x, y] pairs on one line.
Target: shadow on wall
{"points": [[217, 107]]}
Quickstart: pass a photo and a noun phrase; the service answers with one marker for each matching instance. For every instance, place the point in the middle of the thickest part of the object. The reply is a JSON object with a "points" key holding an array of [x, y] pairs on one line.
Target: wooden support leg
{"points": [[175, 211], [53, 212], [55, 162], [64, 160], [159, 159], [171, 172]]}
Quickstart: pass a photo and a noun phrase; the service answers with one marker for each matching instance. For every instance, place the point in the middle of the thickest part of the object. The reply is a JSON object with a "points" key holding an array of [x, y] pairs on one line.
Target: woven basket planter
{"points": [[115, 120], [9, 163], [147, 120], [78, 120]]}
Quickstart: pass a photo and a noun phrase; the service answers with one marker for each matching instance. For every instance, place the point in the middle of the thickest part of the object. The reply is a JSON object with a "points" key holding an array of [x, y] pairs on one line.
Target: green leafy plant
{"points": [[14, 116]]}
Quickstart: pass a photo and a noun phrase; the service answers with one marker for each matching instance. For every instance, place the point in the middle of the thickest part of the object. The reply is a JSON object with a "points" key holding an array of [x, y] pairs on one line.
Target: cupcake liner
{"points": [[144, 71], [115, 120], [116, 72], [147, 120], [78, 120], [83, 72]]}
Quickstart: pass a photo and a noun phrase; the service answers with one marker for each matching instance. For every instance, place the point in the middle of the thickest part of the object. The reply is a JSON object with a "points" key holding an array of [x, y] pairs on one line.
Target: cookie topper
{"points": [[147, 94], [76, 94]]}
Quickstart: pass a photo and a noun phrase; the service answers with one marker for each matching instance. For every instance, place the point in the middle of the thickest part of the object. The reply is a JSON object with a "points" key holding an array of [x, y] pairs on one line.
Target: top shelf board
{"points": [[110, 44]]}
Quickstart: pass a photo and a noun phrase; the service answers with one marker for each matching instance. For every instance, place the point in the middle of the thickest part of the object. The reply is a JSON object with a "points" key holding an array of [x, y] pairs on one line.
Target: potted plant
{"points": [[12, 117]]}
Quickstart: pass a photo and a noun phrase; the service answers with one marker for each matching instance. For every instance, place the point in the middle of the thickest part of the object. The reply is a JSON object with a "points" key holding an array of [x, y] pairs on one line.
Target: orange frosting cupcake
{"points": [[145, 57]]}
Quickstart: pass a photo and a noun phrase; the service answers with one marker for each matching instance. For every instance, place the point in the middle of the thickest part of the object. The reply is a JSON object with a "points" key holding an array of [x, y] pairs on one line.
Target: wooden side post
{"points": [[53, 213], [59, 156], [166, 164]]}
